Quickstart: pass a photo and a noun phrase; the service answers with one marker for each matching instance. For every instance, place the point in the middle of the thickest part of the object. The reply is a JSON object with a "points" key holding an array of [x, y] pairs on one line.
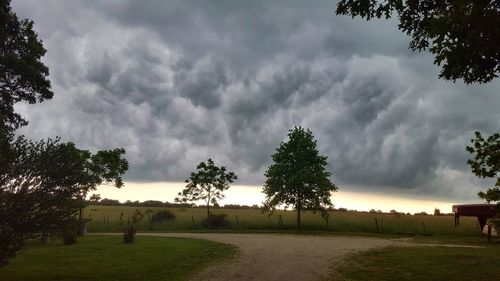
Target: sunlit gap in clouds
{"points": [[251, 194]]}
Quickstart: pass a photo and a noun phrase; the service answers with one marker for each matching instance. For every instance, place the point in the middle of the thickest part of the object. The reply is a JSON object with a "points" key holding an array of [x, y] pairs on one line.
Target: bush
{"points": [[69, 232], [69, 237], [131, 228], [215, 221], [164, 215], [496, 223], [129, 234]]}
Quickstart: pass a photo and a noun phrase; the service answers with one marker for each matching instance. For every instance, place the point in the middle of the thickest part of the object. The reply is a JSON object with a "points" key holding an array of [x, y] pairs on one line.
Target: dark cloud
{"points": [[176, 82]]}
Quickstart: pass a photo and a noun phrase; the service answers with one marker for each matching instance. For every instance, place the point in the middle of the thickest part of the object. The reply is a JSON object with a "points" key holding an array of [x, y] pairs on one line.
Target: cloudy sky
{"points": [[177, 82]]}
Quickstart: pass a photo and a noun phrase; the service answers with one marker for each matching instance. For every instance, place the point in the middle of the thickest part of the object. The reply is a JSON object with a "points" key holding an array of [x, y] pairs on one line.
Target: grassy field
{"points": [[107, 218], [423, 263], [108, 258]]}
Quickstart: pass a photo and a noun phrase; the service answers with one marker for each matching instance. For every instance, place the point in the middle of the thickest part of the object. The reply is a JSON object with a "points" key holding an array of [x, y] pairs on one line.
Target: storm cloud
{"points": [[177, 82]]}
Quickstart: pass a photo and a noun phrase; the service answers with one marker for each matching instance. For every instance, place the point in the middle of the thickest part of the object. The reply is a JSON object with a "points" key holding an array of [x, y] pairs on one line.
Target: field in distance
{"points": [[114, 218]]}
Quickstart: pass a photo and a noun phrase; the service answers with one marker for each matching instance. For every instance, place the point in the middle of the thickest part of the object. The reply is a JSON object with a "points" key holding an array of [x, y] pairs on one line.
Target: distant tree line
{"points": [[166, 204]]}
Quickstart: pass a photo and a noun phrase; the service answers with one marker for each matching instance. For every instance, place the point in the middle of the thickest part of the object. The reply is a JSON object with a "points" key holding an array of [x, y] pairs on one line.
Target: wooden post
{"points": [[381, 225], [192, 219], [107, 222], [423, 226], [376, 224], [237, 222]]}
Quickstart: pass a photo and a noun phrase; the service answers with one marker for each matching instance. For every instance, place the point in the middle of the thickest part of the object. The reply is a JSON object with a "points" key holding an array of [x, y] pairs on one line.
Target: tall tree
{"points": [[299, 176], [23, 76], [43, 183], [486, 163], [463, 35], [207, 183]]}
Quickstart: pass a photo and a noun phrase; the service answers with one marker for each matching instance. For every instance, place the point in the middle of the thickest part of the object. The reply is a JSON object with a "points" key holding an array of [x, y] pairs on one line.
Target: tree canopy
{"points": [[207, 183], [45, 184], [298, 176], [464, 35], [42, 183], [23, 76], [486, 163]]}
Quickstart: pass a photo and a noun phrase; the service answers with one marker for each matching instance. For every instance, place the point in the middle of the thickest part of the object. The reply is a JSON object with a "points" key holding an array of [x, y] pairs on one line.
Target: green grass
{"points": [[252, 220], [422, 263], [108, 258]]}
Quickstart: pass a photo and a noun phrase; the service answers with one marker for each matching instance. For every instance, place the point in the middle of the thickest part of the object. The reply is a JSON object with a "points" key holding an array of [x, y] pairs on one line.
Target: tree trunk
{"points": [[45, 238], [208, 203], [299, 207], [298, 218]]}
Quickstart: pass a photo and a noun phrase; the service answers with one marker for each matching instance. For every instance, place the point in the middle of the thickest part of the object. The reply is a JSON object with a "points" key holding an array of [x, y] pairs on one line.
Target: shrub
{"points": [[495, 222], [69, 232], [163, 215], [215, 221], [129, 234], [69, 236], [131, 228]]}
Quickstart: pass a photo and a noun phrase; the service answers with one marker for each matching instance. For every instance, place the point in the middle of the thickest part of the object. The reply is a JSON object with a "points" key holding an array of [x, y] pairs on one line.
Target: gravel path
{"points": [[281, 257]]}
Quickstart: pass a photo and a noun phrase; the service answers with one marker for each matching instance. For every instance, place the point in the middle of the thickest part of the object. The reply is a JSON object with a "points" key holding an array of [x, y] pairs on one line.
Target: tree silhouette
{"points": [[23, 76], [207, 183], [464, 35], [486, 163], [42, 184], [298, 176]]}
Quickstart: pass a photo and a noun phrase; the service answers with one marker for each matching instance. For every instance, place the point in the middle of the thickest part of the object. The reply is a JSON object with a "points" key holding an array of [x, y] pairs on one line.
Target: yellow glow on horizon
{"points": [[251, 194]]}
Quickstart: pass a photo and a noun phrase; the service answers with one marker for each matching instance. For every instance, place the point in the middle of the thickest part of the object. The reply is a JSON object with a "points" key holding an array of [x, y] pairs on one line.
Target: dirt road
{"points": [[281, 257]]}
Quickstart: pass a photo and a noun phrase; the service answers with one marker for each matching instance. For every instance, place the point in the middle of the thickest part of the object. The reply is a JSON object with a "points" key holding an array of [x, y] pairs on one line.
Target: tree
{"points": [[463, 35], [393, 212], [23, 76], [95, 198], [207, 183], [42, 184], [298, 177], [437, 212], [486, 163]]}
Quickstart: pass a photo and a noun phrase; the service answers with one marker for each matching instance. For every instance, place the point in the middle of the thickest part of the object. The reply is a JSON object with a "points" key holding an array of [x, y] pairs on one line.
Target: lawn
{"points": [[107, 219], [108, 258], [423, 263]]}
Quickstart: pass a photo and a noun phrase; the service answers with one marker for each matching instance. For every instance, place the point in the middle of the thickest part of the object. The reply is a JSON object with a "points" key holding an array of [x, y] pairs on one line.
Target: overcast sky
{"points": [[177, 82]]}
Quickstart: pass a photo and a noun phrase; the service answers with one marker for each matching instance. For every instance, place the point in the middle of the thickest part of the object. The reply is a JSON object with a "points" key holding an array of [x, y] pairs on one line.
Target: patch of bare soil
{"points": [[281, 257]]}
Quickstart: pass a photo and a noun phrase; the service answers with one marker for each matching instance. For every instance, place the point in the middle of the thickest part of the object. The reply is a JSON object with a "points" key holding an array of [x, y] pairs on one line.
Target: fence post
{"points": [[423, 226], [107, 222], [376, 224], [237, 222], [192, 219]]}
